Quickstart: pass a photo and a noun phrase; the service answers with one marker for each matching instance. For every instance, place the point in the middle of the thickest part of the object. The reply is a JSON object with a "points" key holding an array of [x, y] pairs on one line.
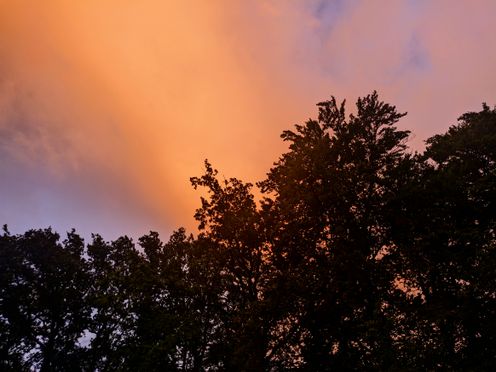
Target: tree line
{"points": [[360, 255]]}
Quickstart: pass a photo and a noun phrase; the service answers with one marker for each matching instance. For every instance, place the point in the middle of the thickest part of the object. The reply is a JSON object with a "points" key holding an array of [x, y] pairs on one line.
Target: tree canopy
{"points": [[360, 255]]}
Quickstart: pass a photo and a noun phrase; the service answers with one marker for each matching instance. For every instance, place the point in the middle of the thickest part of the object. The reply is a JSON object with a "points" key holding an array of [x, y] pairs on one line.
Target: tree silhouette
{"points": [[230, 221], [359, 256], [44, 308], [331, 195], [447, 255]]}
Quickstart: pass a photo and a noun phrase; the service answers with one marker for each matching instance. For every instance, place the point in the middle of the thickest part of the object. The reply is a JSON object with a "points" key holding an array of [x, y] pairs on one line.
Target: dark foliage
{"points": [[359, 256]]}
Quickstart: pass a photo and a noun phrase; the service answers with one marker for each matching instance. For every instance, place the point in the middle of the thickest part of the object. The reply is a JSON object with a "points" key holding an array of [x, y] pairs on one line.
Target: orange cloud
{"points": [[132, 96]]}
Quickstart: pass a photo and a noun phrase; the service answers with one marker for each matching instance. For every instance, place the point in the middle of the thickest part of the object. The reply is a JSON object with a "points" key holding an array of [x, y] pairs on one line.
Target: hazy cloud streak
{"points": [[108, 107]]}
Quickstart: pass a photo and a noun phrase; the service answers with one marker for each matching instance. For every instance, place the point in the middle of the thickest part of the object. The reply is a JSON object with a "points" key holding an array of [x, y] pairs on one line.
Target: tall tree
{"points": [[445, 233], [328, 200], [230, 221]]}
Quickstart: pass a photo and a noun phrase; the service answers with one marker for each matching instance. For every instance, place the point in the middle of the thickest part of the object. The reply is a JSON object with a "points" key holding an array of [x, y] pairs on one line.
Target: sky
{"points": [[108, 107]]}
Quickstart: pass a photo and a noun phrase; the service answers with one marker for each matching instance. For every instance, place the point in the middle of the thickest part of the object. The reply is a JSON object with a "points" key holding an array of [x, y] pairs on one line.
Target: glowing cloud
{"points": [[108, 107]]}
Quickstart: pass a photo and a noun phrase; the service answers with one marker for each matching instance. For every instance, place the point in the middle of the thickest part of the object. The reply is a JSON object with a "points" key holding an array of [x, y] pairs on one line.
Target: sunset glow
{"points": [[108, 107]]}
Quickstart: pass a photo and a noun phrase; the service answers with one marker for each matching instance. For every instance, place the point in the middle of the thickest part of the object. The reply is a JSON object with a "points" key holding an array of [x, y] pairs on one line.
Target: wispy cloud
{"points": [[107, 108]]}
